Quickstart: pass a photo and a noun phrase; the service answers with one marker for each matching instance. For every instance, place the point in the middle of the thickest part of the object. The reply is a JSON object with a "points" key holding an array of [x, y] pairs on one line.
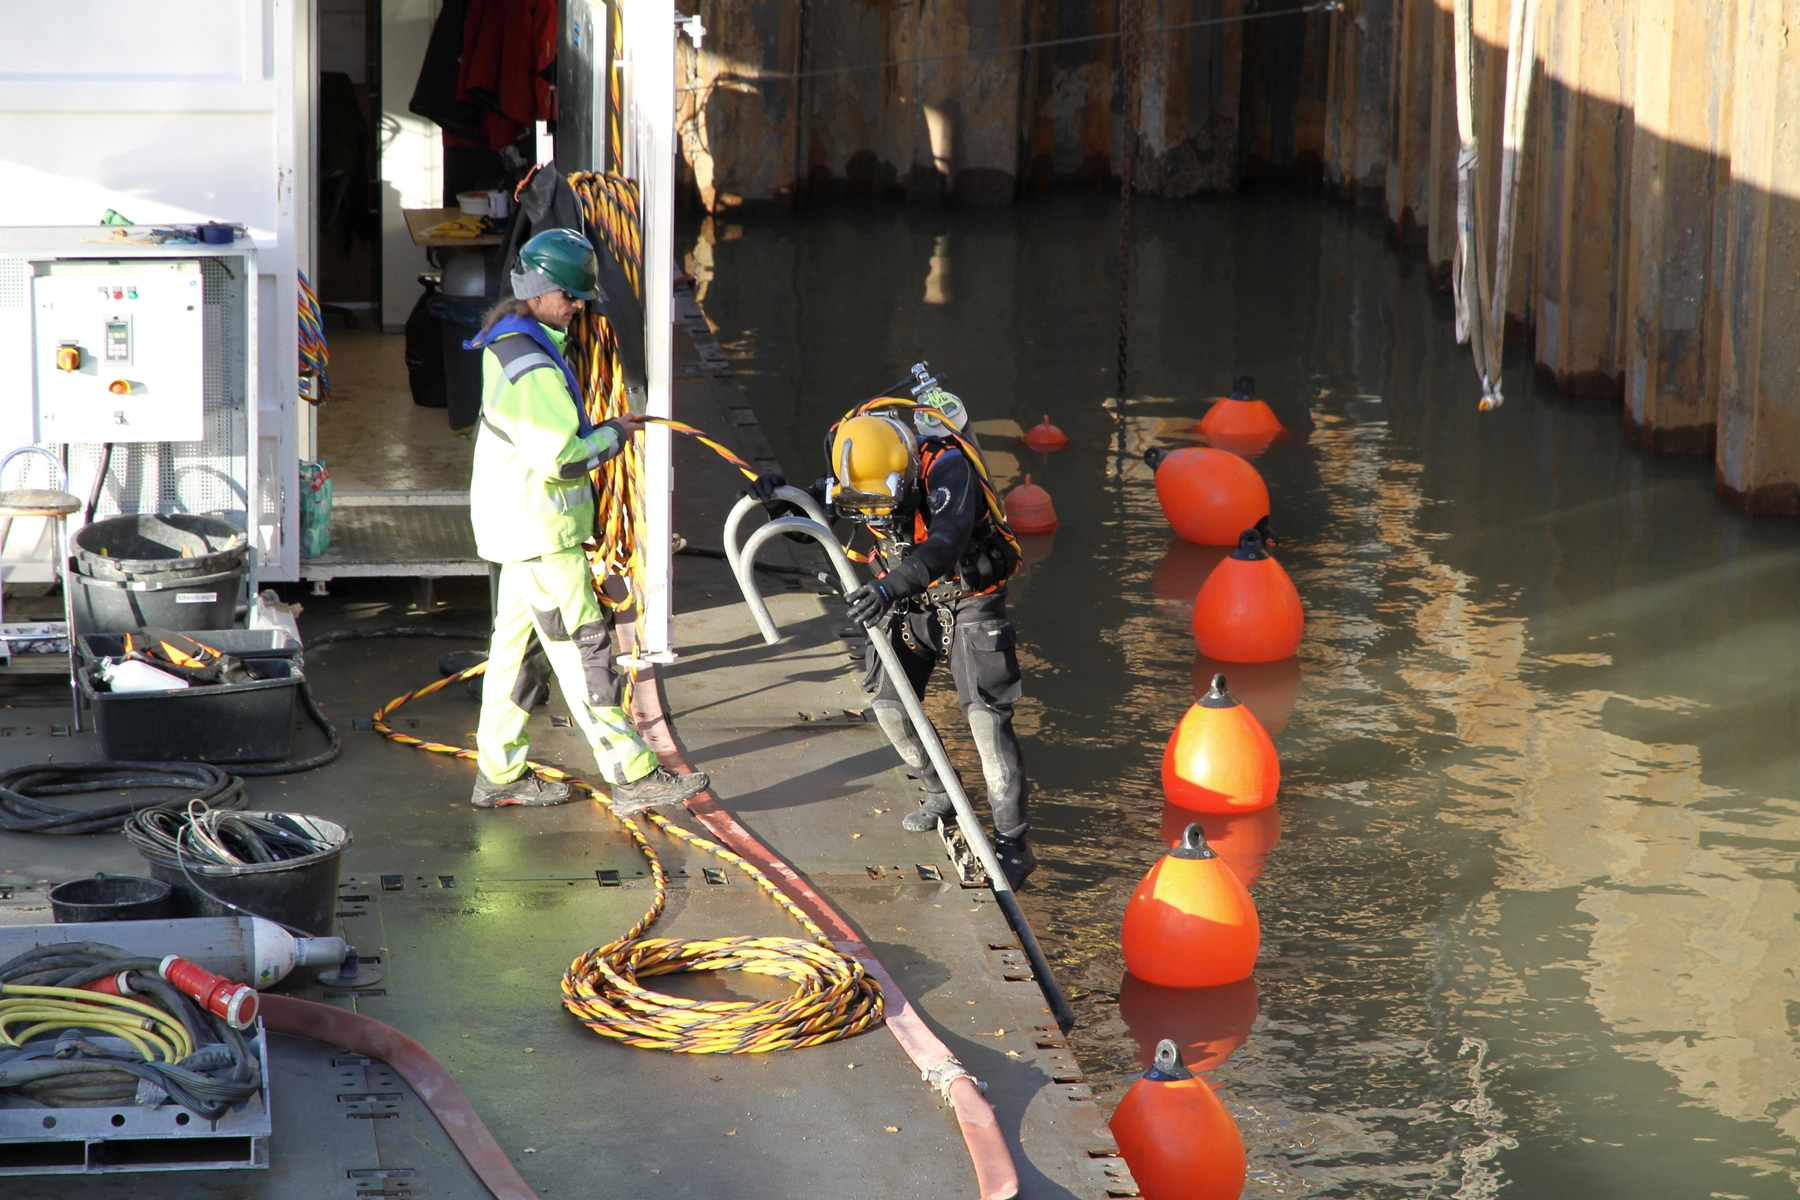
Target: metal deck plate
{"points": [[410, 540]]}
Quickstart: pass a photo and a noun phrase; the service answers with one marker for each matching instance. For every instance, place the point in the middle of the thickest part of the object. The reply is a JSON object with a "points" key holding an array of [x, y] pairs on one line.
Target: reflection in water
{"points": [[1530, 924], [1243, 840], [1207, 1023], [1267, 689]]}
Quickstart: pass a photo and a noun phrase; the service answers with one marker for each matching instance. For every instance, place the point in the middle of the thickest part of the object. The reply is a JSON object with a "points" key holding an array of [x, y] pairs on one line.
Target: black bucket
{"points": [[144, 545], [300, 892], [167, 601], [111, 898]]}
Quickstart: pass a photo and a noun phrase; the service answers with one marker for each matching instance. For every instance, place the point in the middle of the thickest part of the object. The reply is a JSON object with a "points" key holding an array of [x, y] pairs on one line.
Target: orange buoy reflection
{"points": [[1206, 1024], [1183, 567], [1242, 840], [1267, 689]]}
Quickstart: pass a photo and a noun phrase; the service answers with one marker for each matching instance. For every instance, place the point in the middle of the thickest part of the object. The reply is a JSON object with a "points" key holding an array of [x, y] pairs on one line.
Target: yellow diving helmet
{"points": [[875, 459]]}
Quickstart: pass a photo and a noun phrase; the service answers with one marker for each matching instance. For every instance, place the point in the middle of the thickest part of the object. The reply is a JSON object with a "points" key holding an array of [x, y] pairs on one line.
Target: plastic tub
{"points": [[111, 898], [181, 603], [221, 723], [142, 545], [301, 892], [239, 643]]}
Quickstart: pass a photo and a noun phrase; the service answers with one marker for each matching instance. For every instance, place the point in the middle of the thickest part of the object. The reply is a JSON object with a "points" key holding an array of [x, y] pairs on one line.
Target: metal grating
{"points": [[197, 477], [12, 283]]}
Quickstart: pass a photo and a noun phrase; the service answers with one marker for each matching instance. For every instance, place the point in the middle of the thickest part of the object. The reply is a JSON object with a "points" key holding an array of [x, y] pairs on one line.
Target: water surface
{"points": [[1530, 924]]}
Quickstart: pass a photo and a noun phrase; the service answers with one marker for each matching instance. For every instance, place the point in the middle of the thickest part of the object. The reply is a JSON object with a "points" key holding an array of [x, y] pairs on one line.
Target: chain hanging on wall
{"points": [[1131, 42]]}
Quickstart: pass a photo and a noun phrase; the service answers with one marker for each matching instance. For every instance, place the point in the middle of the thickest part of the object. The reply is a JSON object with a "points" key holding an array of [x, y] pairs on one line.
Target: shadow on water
{"points": [[1529, 923]]}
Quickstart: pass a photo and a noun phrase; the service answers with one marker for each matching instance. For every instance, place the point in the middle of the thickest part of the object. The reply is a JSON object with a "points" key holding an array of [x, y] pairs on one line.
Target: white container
{"points": [[474, 204], [499, 205]]}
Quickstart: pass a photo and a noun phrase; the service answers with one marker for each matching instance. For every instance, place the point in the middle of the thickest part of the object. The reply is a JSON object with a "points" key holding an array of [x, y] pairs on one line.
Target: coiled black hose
{"points": [[24, 809], [71, 1066]]}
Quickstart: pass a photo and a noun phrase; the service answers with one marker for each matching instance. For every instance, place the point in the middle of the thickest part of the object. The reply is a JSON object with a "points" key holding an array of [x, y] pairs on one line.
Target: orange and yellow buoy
{"points": [[1207, 494], [1177, 1136], [1248, 610], [1028, 509], [1191, 922], [1220, 759]]}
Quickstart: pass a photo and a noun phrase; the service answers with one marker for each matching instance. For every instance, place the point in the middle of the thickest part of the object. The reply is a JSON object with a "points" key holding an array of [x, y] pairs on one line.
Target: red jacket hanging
{"points": [[508, 60]]}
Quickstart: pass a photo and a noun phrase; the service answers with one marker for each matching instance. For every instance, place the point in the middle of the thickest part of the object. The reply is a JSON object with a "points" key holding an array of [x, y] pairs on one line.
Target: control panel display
{"points": [[120, 350]]}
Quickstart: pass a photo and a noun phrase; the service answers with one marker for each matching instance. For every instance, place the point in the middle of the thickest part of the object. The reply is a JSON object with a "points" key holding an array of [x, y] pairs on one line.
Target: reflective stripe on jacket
{"points": [[520, 504]]}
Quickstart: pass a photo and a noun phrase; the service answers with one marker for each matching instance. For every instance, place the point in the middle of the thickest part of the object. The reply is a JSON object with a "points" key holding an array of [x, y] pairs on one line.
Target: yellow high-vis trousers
{"points": [[552, 595]]}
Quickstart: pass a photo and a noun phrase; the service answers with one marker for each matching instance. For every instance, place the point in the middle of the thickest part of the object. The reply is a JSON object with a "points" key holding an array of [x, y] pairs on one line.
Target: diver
{"points": [[943, 556]]}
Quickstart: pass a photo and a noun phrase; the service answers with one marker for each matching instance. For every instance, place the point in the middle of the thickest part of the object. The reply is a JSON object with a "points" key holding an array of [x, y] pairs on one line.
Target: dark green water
{"points": [[1531, 926]]}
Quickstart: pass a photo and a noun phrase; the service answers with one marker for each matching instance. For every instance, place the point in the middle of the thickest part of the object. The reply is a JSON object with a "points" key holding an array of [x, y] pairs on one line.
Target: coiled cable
{"points": [[25, 809]]}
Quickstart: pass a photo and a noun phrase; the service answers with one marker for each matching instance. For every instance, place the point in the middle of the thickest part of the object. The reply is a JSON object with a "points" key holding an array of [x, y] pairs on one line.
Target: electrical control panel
{"points": [[119, 350]]}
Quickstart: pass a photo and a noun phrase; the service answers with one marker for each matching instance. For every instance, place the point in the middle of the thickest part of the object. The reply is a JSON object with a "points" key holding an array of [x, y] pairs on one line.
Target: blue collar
{"points": [[514, 323]]}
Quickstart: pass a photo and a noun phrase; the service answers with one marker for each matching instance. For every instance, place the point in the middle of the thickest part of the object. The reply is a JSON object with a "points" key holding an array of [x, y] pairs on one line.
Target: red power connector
{"points": [[235, 1002]]}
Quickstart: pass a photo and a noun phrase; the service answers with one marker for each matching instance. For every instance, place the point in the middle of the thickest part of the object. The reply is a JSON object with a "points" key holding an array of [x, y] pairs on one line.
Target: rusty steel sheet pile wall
{"points": [[1657, 237]]}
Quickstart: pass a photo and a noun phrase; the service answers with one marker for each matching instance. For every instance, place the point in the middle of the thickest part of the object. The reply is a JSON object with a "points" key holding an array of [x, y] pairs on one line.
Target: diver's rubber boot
{"points": [[660, 787], [527, 791], [924, 819], [1016, 859]]}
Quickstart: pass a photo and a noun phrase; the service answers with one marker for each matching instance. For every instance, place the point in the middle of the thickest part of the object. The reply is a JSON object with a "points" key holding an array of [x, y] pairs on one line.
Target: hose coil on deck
{"points": [[834, 997]]}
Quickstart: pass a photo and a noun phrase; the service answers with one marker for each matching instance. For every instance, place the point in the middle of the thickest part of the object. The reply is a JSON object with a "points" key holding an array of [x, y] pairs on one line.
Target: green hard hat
{"points": [[563, 257]]}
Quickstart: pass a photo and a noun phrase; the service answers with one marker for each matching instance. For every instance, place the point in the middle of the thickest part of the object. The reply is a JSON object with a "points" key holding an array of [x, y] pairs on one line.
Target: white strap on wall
{"points": [[1481, 305]]}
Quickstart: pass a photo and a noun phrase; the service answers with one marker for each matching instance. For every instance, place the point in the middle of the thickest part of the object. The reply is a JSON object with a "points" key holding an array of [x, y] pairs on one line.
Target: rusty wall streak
{"points": [[1188, 112], [1679, 165], [1440, 246], [1585, 149], [737, 138], [1409, 133], [1758, 460]]}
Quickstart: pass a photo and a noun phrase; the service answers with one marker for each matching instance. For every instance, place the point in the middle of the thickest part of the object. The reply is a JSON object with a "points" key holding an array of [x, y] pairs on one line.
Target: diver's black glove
{"points": [[869, 603], [763, 486]]}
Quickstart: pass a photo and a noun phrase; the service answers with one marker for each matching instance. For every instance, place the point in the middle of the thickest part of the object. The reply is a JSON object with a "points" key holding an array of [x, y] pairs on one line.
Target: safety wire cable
{"points": [[833, 995], [315, 354]]}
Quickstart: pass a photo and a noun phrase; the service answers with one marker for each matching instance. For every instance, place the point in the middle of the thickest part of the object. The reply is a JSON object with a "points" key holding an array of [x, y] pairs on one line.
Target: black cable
{"points": [[334, 745], [23, 808], [395, 631], [93, 503]]}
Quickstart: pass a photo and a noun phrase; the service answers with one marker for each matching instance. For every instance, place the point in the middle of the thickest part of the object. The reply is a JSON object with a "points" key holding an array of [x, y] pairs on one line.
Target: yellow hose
{"points": [[833, 996], [156, 1035]]}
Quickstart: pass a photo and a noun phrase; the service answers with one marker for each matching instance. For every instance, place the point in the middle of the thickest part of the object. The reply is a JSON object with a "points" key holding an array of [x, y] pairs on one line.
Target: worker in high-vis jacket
{"points": [[532, 505]]}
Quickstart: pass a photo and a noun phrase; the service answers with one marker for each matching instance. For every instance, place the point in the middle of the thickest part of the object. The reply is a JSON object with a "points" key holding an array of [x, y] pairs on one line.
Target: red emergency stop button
{"points": [[119, 387], [68, 358]]}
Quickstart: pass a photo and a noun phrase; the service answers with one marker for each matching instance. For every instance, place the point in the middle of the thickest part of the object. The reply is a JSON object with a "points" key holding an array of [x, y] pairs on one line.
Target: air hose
{"points": [[834, 996]]}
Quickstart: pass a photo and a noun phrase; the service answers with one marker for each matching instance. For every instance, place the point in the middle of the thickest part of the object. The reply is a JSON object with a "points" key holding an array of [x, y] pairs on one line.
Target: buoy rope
{"points": [[833, 998]]}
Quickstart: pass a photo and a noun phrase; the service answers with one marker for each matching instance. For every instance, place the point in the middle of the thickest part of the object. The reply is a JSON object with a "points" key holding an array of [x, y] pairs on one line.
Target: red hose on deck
{"points": [[413, 1063], [995, 1173]]}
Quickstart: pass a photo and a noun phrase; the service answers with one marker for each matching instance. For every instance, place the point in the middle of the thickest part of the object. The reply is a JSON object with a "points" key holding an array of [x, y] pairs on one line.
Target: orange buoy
{"points": [[1181, 570], [1240, 415], [1267, 689], [1220, 759], [1177, 1136], [1247, 610], [1206, 1024], [1046, 437], [1208, 495], [1243, 840], [1191, 922], [1028, 509]]}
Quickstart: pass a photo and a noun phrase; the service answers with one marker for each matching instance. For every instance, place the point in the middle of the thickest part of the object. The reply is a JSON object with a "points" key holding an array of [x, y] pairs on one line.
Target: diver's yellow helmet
{"points": [[875, 460]]}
